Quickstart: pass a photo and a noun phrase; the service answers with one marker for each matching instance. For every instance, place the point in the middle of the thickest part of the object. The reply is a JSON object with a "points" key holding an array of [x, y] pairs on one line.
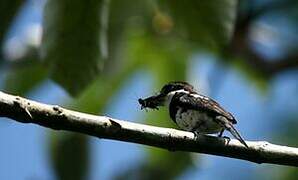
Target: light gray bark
{"points": [[58, 118]]}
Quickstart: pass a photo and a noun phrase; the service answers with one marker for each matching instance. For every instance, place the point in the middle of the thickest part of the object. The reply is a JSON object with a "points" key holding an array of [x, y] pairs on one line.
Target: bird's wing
{"points": [[203, 103]]}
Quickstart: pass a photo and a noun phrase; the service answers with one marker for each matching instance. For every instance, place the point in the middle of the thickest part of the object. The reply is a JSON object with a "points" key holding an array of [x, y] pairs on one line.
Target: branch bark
{"points": [[58, 118]]}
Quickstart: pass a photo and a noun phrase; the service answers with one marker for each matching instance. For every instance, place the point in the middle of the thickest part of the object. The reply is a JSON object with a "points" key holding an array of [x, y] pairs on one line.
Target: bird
{"points": [[192, 111]]}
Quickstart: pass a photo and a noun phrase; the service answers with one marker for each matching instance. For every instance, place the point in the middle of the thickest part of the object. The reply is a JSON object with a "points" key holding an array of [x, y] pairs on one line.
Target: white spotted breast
{"points": [[192, 120]]}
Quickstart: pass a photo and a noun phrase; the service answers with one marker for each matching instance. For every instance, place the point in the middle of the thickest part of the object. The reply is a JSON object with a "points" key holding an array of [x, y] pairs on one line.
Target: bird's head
{"points": [[165, 95]]}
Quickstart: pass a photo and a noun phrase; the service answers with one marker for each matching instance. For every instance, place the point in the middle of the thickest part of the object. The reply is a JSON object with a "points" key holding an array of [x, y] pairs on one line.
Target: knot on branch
{"points": [[115, 127], [22, 106], [57, 109]]}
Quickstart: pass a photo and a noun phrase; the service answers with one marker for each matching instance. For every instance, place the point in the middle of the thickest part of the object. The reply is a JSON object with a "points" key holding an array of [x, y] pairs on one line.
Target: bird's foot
{"points": [[227, 139], [220, 133], [196, 135]]}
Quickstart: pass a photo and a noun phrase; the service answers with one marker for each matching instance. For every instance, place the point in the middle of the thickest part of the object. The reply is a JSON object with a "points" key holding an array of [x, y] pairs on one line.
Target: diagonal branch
{"points": [[55, 117]]}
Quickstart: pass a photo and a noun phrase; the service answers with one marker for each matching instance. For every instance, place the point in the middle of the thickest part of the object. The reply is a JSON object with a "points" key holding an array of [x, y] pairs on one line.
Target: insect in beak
{"points": [[151, 102]]}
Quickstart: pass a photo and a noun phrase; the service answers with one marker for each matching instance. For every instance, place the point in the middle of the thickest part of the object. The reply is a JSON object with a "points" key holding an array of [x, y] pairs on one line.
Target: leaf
{"points": [[169, 166], [284, 131], [158, 54], [20, 80], [70, 156], [95, 98], [71, 42], [209, 24], [8, 11]]}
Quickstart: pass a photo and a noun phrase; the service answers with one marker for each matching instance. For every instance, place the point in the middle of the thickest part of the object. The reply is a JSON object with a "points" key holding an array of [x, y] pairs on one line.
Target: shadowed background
{"points": [[100, 56]]}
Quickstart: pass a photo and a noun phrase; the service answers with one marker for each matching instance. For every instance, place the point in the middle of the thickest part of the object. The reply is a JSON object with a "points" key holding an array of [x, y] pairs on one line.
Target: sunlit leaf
{"points": [[208, 24]]}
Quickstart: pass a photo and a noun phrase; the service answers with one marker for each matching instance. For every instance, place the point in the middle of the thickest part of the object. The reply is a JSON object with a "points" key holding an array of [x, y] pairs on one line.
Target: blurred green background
{"points": [[100, 56]]}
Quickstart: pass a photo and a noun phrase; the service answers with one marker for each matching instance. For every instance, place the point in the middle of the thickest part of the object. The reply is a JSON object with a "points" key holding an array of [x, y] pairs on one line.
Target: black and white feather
{"points": [[192, 111]]}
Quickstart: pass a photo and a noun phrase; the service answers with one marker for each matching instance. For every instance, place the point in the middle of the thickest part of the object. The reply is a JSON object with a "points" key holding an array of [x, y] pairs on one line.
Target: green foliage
{"points": [[206, 23], [287, 134], [156, 36], [21, 80], [96, 97], [8, 10], [290, 173], [71, 40], [70, 156]]}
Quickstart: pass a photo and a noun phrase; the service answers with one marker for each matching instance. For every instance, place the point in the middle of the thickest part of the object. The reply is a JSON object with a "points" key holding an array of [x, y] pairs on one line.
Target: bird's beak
{"points": [[152, 102]]}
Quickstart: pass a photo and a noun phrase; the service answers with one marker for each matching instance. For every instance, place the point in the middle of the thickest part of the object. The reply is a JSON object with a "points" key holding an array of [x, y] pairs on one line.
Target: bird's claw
{"points": [[196, 135]]}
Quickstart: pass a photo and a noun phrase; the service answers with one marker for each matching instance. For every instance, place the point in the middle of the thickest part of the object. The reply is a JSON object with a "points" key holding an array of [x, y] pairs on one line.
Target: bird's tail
{"points": [[229, 126], [236, 134]]}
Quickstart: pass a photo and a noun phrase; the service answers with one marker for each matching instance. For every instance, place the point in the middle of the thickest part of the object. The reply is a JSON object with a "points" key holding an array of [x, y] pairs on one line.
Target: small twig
{"points": [[58, 118], [28, 112]]}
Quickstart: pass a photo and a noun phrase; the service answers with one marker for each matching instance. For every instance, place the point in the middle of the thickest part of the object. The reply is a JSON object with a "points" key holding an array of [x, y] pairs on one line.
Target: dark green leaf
{"points": [[70, 155], [22, 78], [95, 98], [71, 42], [8, 10]]}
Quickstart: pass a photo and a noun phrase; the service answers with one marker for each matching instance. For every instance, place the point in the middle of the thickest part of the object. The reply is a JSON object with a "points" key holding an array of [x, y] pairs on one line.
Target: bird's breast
{"points": [[192, 120]]}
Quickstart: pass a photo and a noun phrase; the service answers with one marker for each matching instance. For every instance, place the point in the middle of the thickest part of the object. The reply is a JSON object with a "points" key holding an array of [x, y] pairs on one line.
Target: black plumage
{"points": [[192, 111], [198, 102], [222, 119]]}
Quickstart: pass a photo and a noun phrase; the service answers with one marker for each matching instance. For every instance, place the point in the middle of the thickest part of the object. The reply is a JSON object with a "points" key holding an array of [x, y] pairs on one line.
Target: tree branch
{"points": [[55, 117]]}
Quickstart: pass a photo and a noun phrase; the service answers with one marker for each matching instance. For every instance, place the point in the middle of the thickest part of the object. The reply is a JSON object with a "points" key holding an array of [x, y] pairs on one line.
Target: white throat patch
{"points": [[171, 94]]}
